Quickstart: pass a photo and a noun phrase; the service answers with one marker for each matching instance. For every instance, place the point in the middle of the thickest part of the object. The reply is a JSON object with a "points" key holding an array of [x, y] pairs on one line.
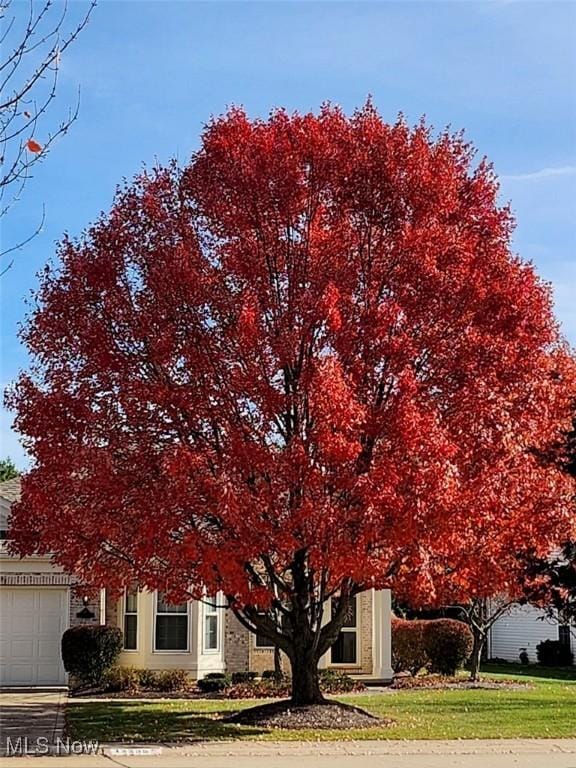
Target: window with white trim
{"points": [[131, 619], [211, 624], [3, 526], [171, 628], [344, 650]]}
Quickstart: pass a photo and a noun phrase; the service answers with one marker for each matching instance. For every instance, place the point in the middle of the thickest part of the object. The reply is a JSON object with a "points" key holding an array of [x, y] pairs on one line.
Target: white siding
{"points": [[524, 627]]}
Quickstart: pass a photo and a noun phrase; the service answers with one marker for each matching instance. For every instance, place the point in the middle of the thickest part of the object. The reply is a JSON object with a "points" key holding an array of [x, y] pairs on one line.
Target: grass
{"points": [[528, 672], [546, 710]]}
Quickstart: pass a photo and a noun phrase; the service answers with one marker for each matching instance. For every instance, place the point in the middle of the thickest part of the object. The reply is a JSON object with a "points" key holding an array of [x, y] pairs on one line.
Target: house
{"points": [[38, 602], [36, 606], [522, 628]]}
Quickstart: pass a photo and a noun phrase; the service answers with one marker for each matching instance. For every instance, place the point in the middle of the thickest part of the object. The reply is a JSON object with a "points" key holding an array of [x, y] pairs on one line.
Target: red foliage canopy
{"points": [[313, 342]]}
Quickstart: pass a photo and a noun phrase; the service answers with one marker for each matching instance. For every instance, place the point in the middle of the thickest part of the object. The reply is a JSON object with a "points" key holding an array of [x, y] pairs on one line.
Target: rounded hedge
{"points": [[243, 677], [214, 682], [553, 653], [439, 645], [88, 651], [408, 649], [448, 644]]}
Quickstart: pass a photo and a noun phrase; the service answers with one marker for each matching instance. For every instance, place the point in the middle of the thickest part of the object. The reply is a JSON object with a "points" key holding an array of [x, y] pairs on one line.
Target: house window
{"points": [[131, 620], [3, 534], [564, 635], [211, 624], [344, 649], [171, 625]]}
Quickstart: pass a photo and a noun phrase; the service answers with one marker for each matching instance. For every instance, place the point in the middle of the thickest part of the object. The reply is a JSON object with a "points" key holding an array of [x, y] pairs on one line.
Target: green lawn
{"points": [[547, 710], [528, 672]]}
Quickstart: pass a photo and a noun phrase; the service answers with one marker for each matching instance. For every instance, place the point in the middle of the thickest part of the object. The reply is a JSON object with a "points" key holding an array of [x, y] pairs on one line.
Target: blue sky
{"points": [[151, 73]]}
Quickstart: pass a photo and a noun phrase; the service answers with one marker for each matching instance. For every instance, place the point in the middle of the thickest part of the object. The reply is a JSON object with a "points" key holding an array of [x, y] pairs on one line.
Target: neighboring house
{"points": [[523, 628], [36, 606], [37, 603]]}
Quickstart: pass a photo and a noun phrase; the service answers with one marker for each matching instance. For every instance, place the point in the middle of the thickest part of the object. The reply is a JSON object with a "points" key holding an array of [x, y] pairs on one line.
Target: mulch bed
{"points": [[438, 682], [263, 689], [267, 690], [285, 715], [144, 693]]}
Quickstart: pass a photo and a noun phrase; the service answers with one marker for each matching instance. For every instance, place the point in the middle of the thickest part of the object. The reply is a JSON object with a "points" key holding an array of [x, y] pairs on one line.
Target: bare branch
{"points": [[33, 43]]}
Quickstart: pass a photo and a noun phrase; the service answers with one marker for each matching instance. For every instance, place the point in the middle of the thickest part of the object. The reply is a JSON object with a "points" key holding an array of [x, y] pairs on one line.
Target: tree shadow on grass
{"points": [[529, 670], [127, 722]]}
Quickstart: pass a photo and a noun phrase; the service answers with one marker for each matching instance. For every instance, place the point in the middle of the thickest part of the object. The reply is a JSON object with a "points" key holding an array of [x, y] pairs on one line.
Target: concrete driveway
{"points": [[29, 719]]}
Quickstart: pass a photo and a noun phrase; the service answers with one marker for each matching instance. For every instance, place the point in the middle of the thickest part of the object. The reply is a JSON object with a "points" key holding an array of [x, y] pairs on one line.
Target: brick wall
{"points": [[112, 608], [77, 605], [263, 658], [365, 599], [28, 579], [236, 644]]}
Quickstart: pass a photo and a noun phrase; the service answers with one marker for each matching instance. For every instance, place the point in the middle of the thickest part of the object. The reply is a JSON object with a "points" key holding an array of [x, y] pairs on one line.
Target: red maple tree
{"points": [[304, 366]]}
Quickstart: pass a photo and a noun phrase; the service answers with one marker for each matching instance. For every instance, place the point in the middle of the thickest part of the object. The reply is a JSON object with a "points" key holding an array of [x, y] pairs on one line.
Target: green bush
{"points": [[88, 651], [243, 677], [172, 680], [408, 647], [448, 643], [553, 653], [271, 674], [214, 682], [332, 681], [118, 679], [147, 678], [130, 679]]}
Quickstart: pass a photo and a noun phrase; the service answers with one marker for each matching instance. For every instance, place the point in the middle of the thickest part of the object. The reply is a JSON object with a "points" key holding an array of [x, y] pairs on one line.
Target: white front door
{"points": [[32, 621]]}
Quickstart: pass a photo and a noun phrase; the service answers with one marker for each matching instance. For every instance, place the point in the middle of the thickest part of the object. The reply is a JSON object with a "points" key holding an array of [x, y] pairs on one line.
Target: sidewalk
{"points": [[505, 753]]}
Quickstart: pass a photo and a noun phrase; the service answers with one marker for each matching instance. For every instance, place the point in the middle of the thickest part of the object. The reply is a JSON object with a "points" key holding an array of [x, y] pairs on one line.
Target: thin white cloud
{"points": [[543, 173]]}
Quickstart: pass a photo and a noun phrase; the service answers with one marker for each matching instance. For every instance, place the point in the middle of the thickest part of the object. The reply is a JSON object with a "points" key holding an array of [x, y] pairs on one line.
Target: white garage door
{"points": [[31, 625]]}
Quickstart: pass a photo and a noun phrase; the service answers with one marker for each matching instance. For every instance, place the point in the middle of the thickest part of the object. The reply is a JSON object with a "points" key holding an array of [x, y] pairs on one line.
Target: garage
{"points": [[32, 621]]}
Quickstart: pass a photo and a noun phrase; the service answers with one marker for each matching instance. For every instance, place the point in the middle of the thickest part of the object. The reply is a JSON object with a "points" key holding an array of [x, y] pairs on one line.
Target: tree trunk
{"points": [[305, 681], [278, 666], [476, 656]]}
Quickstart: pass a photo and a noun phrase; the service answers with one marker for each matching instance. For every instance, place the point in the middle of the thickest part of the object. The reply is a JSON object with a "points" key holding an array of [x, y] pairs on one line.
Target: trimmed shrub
{"points": [[118, 679], [271, 674], [408, 647], [243, 677], [214, 682], [147, 678], [448, 643], [332, 681], [172, 680], [88, 651], [132, 680], [553, 653]]}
